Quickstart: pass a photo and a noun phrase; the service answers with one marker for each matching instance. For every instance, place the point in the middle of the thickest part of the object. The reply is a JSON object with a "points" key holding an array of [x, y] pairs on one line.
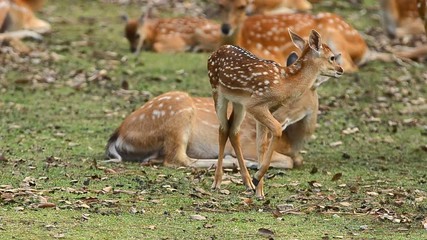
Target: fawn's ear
{"points": [[146, 14], [144, 17], [338, 59], [314, 41], [298, 41], [291, 58]]}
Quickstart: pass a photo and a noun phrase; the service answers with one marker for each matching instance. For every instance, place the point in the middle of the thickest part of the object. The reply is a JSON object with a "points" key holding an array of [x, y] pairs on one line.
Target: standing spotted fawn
{"points": [[260, 87]]}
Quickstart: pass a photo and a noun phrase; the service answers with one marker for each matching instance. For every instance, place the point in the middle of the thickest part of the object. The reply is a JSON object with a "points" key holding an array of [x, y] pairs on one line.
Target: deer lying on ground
{"points": [[401, 18], [260, 87], [277, 6], [178, 130], [266, 36], [172, 34], [17, 19]]}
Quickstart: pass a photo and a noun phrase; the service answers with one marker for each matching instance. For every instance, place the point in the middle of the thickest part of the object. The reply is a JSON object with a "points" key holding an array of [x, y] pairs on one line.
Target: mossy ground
{"points": [[51, 134]]}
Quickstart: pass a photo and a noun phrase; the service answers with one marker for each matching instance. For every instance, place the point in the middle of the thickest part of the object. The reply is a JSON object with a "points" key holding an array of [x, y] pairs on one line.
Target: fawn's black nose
{"points": [[225, 28], [339, 71]]}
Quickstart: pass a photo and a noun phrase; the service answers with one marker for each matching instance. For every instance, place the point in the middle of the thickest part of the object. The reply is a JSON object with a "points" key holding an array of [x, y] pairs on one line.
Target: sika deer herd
{"points": [[250, 76]]}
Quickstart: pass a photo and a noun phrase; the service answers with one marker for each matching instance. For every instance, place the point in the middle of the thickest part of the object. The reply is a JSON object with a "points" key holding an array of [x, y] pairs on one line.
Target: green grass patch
{"points": [[59, 105]]}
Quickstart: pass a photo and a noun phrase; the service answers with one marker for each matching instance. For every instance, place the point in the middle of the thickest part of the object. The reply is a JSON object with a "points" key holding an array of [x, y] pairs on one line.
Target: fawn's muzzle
{"points": [[339, 72]]}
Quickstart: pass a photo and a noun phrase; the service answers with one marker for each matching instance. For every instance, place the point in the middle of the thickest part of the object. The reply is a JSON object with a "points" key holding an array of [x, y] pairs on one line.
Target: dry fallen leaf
{"points": [[247, 201], [198, 217], [207, 225], [424, 223], [224, 191], [336, 177], [350, 130], [85, 217], [107, 189], [110, 171], [265, 232], [202, 191], [372, 193], [59, 235], [49, 226], [84, 206], [335, 144], [46, 205], [315, 184], [277, 213]]}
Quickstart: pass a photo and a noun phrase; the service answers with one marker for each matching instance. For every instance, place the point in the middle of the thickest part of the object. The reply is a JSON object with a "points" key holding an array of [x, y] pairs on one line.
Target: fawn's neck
{"points": [[301, 75], [233, 39]]}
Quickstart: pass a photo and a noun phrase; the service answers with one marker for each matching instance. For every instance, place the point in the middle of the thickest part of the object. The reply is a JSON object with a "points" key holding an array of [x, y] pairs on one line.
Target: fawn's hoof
{"points": [[255, 181], [216, 185]]}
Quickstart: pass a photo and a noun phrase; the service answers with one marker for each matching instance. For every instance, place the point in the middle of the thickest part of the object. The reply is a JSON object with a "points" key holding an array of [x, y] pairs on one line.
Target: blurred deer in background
{"points": [[422, 10], [266, 36], [401, 18], [260, 87], [18, 20], [277, 6], [172, 34], [178, 130], [404, 19]]}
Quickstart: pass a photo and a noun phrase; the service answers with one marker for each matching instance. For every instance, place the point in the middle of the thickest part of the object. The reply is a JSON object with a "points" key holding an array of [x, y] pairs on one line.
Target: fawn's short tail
{"points": [[110, 149]]}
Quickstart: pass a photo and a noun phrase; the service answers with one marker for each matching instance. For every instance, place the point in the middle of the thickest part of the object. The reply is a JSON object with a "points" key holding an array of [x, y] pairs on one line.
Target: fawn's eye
{"points": [[331, 59], [241, 7]]}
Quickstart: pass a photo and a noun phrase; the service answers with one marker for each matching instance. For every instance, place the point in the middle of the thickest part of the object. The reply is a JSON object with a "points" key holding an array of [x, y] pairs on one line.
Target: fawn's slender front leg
{"points": [[265, 118], [236, 120], [262, 146]]}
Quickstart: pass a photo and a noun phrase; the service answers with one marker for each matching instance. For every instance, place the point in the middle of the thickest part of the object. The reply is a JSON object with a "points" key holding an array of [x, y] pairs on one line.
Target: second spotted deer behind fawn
{"points": [[266, 35], [260, 87], [172, 34]]}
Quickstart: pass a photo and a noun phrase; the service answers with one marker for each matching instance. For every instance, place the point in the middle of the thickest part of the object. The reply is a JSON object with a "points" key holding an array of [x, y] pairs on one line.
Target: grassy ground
{"points": [[59, 105]]}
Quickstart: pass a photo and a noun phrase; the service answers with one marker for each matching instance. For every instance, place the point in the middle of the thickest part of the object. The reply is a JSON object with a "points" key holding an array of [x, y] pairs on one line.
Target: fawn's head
{"points": [[233, 13], [136, 30], [131, 32], [319, 53]]}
